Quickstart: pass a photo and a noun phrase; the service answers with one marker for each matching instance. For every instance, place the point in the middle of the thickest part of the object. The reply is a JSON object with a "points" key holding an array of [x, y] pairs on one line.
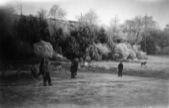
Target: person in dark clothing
{"points": [[120, 69], [74, 67], [44, 70], [46, 76], [33, 71], [41, 67]]}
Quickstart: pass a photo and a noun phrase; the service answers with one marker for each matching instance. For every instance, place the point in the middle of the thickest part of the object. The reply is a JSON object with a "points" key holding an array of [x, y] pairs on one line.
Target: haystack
{"points": [[43, 49]]}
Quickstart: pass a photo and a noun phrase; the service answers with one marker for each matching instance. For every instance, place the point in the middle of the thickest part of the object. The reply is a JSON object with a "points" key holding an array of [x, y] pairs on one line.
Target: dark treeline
{"points": [[82, 39], [19, 33]]}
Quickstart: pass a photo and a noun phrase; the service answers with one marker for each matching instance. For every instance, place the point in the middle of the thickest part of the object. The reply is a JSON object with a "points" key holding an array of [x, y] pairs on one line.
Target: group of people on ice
{"points": [[45, 50], [45, 69]]}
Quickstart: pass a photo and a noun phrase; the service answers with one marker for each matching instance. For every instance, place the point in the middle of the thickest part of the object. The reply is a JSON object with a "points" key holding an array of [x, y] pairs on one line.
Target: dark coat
{"points": [[41, 67], [74, 66], [120, 67]]}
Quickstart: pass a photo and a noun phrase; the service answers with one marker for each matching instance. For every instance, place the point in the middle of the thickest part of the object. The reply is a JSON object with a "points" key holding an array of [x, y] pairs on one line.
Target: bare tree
{"points": [[114, 31], [42, 13], [89, 18], [114, 23], [57, 13], [149, 23], [137, 26], [166, 29]]}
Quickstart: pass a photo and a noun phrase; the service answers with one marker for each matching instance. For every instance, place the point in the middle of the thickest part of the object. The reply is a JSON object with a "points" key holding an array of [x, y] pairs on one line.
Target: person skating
{"points": [[74, 67], [120, 69], [44, 70], [41, 67], [46, 76]]}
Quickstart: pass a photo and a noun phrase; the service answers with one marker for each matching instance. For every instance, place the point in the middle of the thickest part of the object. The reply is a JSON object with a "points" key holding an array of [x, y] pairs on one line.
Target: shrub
{"points": [[126, 51], [122, 50], [111, 45], [158, 49], [24, 49], [139, 54], [104, 50], [148, 44], [165, 50], [71, 48], [132, 54], [93, 53], [136, 48], [101, 35]]}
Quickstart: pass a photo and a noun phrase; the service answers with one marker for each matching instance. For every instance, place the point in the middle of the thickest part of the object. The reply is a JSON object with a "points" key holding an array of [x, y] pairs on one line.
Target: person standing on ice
{"points": [[120, 69]]}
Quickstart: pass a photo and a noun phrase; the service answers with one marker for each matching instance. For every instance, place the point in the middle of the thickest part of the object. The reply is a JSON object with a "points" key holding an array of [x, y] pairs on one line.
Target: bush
{"points": [[125, 51], [148, 44], [104, 50], [122, 50], [165, 50], [158, 50], [132, 54], [71, 48], [101, 36], [80, 38], [24, 49], [139, 54], [111, 45], [93, 53]]}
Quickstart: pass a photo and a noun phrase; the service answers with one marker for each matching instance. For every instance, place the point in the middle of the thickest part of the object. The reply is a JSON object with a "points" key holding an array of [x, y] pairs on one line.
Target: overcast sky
{"points": [[106, 9]]}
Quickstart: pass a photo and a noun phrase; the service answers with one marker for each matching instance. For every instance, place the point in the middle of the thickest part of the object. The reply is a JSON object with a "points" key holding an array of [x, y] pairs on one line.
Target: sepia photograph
{"points": [[84, 53]]}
